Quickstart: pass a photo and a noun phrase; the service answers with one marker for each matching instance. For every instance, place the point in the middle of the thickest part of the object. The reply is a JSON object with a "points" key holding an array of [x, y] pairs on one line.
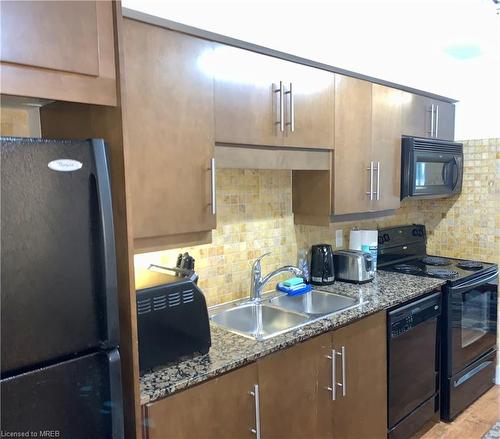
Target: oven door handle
{"points": [[473, 283]]}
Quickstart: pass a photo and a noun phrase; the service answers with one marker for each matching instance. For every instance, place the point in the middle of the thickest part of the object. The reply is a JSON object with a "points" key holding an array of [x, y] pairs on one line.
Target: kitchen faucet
{"points": [[258, 282]]}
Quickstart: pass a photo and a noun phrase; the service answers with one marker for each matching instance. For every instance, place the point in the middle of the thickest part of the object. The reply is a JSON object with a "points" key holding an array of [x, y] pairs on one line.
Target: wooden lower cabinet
{"points": [[220, 408], [362, 412], [296, 400], [289, 392]]}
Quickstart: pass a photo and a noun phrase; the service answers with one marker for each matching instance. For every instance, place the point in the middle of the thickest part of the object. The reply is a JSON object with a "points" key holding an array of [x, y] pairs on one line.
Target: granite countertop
{"points": [[230, 351]]}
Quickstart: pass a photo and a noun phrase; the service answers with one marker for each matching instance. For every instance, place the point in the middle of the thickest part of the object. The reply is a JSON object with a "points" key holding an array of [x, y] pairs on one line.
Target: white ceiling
{"points": [[449, 47]]}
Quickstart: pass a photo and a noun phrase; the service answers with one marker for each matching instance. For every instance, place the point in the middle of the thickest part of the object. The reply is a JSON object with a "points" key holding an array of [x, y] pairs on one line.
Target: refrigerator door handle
{"points": [[108, 244], [116, 399]]}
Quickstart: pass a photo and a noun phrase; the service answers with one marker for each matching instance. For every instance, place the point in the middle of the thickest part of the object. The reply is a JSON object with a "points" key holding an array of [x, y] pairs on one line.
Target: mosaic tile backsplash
{"points": [[255, 217]]}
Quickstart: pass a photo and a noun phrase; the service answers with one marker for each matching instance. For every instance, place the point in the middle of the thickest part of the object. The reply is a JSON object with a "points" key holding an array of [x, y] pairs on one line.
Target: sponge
{"points": [[293, 281]]}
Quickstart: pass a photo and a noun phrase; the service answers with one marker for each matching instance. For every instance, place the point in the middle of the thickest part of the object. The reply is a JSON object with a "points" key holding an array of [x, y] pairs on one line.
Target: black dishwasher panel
{"points": [[413, 361]]}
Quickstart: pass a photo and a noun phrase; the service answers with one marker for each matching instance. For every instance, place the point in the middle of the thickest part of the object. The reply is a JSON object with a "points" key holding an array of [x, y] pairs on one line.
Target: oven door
{"points": [[435, 174], [472, 321]]}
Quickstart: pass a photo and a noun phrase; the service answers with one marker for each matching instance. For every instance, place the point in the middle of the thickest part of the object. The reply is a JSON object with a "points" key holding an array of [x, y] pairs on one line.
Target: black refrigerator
{"points": [[60, 364]]}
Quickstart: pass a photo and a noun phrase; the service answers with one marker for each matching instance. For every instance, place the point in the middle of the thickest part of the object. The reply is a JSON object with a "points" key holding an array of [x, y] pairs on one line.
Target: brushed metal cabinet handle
{"points": [[214, 185], [378, 181], [281, 116], [291, 106], [370, 193], [432, 120], [256, 395], [343, 384], [437, 120], [333, 388]]}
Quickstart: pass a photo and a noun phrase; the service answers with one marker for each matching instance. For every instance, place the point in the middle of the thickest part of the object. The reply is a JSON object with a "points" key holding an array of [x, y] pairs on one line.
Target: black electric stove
{"points": [[469, 320], [403, 249]]}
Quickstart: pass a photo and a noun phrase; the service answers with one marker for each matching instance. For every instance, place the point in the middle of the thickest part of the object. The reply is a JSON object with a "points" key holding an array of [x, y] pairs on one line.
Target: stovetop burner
{"points": [[435, 260], [408, 269], [442, 273], [470, 265]]}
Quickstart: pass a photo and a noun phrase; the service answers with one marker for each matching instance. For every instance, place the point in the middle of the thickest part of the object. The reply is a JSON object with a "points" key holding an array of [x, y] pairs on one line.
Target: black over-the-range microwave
{"points": [[431, 168]]}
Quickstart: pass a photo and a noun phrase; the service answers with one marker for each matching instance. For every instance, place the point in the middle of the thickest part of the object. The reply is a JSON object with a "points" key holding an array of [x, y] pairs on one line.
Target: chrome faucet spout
{"points": [[259, 282]]}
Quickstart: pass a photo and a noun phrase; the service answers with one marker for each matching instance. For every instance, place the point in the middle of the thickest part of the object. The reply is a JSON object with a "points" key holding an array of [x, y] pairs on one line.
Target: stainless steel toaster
{"points": [[353, 266]]}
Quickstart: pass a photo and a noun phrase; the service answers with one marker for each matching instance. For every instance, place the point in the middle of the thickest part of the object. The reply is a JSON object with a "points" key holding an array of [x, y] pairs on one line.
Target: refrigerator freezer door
{"points": [[58, 273], [79, 398]]}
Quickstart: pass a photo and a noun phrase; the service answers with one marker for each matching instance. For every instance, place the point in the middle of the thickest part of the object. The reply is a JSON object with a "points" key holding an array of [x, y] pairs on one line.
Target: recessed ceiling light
{"points": [[464, 51]]}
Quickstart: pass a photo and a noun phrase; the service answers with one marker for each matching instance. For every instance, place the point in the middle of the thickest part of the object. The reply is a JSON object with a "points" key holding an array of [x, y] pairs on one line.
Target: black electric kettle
{"points": [[322, 269]]}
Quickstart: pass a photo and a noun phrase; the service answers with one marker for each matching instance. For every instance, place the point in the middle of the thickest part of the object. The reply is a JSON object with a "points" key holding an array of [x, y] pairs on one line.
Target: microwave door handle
{"points": [[444, 172], [458, 174]]}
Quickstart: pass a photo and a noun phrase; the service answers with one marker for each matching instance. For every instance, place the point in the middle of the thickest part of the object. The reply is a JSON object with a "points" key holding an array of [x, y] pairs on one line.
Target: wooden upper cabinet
{"points": [[247, 107], [222, 408], [445, 120], [360, 406], [426, 117], [386, 147], [58, 50], [353, 145], [367, 136], [252, 109], [169, 127], [311, 105], [416, 115]]}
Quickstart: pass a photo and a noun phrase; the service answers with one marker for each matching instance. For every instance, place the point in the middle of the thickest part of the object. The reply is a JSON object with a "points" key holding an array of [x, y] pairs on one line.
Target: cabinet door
{"points": [[386, 143], [247, 109], [417, 115], [311, 104], [360, 408], [288, 392], [220, 408], [353, 142], [426, 117], [58, 50], [169, 128], [445, 120]]}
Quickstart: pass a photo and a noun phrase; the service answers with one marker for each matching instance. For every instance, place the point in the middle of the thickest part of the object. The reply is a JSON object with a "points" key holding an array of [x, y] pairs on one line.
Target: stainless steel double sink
{"points": [[278, 313]]}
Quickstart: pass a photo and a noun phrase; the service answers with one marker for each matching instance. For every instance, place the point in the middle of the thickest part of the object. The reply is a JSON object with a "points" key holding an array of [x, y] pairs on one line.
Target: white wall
{"points": [[449, 47]]}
